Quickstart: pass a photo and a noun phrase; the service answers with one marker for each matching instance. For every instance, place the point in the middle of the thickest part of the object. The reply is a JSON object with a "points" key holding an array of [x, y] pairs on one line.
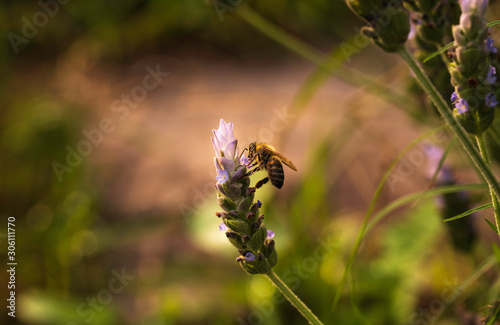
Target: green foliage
{"points": [[386, 266]]}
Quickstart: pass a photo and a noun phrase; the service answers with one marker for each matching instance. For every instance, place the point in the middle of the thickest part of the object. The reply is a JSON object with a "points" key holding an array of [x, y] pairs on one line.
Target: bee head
{"points": [[252, 149]]}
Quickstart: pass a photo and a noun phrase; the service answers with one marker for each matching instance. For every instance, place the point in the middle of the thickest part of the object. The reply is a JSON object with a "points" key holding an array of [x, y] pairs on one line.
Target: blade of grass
{"points": [[449, 45], [371, 207], [491, 224], [479, 159], [411, 197], [468, 212], [315, 56]]}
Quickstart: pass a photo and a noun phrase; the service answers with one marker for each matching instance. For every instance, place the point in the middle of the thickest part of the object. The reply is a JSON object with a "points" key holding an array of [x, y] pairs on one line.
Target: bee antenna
{"points": [[241, 154]]}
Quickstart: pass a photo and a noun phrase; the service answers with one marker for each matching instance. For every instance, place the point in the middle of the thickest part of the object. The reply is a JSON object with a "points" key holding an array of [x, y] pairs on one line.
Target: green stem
{"points": [[483, 149], [294, 300], [331, 65], [446, 113]]}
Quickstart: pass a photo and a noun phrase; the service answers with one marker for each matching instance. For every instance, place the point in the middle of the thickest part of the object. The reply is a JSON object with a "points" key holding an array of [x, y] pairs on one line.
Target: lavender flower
{"points": [[476, 6], [489, 45], [242, 223], [491, 76], [461, 106], [223, 141], [222, 227], [249, 257], [222, 174], [491, 100], [454, 96], [472, 75]]}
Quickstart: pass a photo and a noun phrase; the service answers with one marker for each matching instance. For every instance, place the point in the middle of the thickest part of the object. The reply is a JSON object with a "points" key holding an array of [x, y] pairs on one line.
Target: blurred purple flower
{"points": [[270, 234], [222, 174], [454, 96], [434, 156], [249, 256], [491, 100], [222, 227], [462, 106], [489, 45], [491, 77], [226, 151], [244, 160]]}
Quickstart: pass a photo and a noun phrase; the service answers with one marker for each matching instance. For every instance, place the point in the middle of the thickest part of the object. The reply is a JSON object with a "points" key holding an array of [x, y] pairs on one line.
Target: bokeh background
{"points": [[109, 173]]}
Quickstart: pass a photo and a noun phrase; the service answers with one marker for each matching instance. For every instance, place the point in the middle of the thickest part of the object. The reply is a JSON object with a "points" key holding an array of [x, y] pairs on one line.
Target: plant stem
{"points": [[445, 111], [483, 149], [331, 65], [294, 300]]}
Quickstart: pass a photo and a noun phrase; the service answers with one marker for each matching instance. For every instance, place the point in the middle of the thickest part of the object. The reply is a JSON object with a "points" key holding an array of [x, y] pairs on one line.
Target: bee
{"points": [[268, 158]]}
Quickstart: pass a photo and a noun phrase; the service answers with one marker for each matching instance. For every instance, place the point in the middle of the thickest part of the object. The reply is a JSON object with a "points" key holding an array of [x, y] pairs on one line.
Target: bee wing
{"points": [[285, 160]]}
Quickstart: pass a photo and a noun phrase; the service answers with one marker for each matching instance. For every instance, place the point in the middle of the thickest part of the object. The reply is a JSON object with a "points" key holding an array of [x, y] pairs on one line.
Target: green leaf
{"points": [[449, 45], [438, 52], [491, 225], [493, 23], [471, 211]]}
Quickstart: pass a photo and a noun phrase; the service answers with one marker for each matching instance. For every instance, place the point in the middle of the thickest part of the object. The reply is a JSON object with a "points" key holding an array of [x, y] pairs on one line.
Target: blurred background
{"points": [[107, 109]]}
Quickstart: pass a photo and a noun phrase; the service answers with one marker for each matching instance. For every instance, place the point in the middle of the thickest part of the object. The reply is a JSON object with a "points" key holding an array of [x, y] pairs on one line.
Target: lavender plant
{"points": [[241, 221], [432, 29], [471, 71], [472, 76]]}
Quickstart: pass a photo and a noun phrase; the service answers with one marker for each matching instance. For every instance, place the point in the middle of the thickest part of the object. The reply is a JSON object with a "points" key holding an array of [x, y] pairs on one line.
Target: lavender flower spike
{"points": [[474, 5], [242, 222], [471, 71]]}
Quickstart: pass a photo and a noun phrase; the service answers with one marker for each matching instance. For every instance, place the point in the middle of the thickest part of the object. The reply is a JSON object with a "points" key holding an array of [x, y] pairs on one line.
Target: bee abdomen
{"points": [[275, 171]]}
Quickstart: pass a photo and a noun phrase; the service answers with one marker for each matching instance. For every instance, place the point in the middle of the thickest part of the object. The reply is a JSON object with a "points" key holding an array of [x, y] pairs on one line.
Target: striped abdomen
{"points": [[275, 170]]}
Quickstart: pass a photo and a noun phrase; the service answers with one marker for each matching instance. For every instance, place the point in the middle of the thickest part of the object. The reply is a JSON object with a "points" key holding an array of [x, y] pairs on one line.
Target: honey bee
{"points": [[268, 158]]}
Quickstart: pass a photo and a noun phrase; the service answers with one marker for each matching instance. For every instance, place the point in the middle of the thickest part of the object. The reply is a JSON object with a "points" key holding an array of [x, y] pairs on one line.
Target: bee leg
{"points": [[262, 182], [253, 171]]}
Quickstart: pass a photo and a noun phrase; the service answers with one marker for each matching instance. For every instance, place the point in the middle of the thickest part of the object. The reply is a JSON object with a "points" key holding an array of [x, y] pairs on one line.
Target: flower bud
{"points": [[235, 240], [257, 239], [250, 215], [469, 59], [221, 189], [238, 226], [244, 204], [233, 191], [239, 173], [389, 22], [256, 267], [471, 72], [225, 203]]}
